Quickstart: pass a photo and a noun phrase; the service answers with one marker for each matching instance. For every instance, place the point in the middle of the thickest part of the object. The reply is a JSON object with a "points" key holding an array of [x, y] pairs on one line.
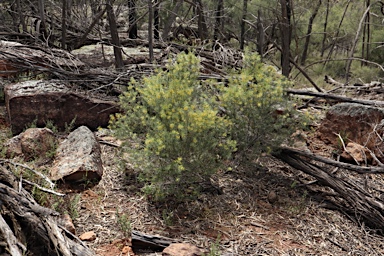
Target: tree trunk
{"points": [[347, 194], [42, 29], [156, 32], [352, 51], [115, 36], [132, 19], [260, 34], [21, 16], [201, 25], [325, 29], [64, 25], [172, 17], [218, 19], [285, 28], [150, 30], [337, 32], [366, 36], [242, 28], [89, 29], [309, 31]]}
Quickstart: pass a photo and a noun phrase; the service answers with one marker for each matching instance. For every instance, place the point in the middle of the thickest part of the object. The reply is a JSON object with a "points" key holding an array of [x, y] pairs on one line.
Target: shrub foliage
{"points": [[176, 117], [178, 139], [261, 114]]}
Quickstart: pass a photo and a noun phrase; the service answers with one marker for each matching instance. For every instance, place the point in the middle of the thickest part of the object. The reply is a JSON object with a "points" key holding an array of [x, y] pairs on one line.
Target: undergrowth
{"points": [[180, 130]]}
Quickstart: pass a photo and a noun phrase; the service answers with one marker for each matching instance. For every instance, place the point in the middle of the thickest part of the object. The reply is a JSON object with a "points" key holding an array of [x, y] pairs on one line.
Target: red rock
{"points": [[34, 143], [67, 223], [13, 147], [352, 121], [88, 236], [41, 101], [182, 249], [127, 251], [356, 152], [355, 123]]}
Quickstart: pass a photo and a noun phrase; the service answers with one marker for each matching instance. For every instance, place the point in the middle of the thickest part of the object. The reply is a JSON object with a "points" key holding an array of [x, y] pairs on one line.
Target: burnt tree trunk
{"points": [[352, 196], [218, 20], [150, 30], [64, 24], [115, 36], [201, 24], [260, 34], [285, 29], [132, 17], [242, 28], [156, 21]]}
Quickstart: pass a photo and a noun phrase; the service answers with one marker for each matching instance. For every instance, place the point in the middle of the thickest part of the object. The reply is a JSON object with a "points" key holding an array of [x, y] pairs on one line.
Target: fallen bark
{"points": [[141, 241], [347, 195], [28, 223]]}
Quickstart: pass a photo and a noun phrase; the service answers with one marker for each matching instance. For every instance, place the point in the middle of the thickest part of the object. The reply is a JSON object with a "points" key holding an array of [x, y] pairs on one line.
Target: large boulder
{"points": [[354, 123], [41, 101], [78, 158]]}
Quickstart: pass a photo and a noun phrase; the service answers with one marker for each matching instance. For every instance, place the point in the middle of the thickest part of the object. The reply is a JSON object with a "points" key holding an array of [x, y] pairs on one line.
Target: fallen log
{"points": [[24, 222], [354, 197], [338, 98]]}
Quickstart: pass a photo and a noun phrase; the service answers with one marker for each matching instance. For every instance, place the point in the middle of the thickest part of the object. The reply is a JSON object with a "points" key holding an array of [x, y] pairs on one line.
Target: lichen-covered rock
{"points": [[78, 158], [34, 143], [41, 101]]}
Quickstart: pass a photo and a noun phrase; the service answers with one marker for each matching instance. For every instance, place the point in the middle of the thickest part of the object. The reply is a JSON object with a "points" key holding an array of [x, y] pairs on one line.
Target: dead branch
{"points": [[51, 184], [337, 98], [349, 196], [330, 80], [31, 223], [354, 168]]}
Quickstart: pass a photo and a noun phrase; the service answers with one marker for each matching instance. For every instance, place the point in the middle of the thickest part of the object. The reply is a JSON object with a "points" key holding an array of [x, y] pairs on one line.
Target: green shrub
{"points": [[256, 104], [180, 138], [177, 138]]}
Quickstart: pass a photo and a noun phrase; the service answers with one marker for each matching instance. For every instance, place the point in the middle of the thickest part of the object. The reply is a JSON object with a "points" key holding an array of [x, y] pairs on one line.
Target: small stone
{"points": [[127, 250], [67, 223], [272, 197], [182, 249], [88, 236]]}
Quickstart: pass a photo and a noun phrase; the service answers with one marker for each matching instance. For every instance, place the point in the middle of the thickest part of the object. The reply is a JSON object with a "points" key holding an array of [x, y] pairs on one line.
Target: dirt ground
{"points": [[240, 221], [243, 220]]}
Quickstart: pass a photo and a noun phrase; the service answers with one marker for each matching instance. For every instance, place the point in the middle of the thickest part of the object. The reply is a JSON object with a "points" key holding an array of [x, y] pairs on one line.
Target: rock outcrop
{"points": [[358, 124], [40, 101]]}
